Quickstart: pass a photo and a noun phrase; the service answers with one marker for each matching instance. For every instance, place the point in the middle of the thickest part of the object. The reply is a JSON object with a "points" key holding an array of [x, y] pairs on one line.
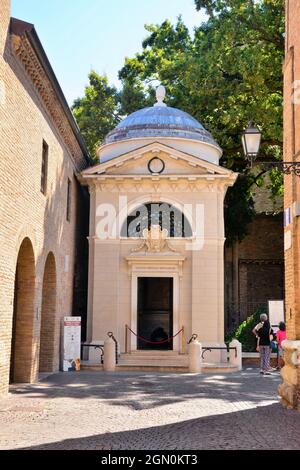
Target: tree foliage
{"points": [[97, 112], [243, 333]]}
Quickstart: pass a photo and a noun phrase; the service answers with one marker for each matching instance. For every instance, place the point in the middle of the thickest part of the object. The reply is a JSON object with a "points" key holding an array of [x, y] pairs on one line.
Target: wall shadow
{"points": [[256, 428]]}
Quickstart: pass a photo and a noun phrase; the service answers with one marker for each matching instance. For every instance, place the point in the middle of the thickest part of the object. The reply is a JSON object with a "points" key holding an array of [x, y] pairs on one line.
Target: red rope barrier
{"points": [[155, 342]]}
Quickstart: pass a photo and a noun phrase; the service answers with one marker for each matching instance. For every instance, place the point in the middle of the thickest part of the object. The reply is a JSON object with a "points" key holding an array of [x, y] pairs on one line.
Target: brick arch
{"points": [[23, 366], [24, 233], [48, 316]]}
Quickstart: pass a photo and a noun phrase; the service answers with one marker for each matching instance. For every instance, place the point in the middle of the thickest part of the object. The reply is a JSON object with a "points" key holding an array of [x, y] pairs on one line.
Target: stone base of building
{"points": [[289, 390]]}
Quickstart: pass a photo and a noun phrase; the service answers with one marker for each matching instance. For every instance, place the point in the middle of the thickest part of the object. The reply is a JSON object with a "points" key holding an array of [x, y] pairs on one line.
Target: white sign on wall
{"points": [[287, 217], [276, 312], [71, 343], [287, 240]]}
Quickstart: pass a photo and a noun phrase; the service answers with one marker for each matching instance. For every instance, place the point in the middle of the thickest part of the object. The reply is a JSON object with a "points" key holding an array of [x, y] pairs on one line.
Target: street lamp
{"points": [[251, 140]]}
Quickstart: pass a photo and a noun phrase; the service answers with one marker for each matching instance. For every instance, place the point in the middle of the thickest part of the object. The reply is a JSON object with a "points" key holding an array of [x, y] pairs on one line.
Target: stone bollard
{"points": [[236, 359], [195, 356], [109, 362]]}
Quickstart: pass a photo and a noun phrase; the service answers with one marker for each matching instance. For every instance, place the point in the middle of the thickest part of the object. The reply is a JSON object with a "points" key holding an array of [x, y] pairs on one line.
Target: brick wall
{"points": [[289, 390], [4, 22], [27, 214], [254, 269], [291, 152]]}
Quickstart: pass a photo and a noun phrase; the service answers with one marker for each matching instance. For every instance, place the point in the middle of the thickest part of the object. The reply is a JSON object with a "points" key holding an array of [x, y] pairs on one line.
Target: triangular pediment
{"points": [[137, 163]]}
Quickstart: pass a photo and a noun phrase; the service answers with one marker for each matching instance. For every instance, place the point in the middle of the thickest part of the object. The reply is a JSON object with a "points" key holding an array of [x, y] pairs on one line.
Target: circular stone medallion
{"points": [[156, 165]]}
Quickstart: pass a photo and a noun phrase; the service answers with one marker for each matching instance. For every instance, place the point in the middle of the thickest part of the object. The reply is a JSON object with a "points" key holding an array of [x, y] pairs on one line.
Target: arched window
{"points": [[157, 213]]}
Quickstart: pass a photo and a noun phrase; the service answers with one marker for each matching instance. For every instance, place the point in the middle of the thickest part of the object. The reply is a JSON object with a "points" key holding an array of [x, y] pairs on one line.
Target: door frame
{"points": [[134, 305]]}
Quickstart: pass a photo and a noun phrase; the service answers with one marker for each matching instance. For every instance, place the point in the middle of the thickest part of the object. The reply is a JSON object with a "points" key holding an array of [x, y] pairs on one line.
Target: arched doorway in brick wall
{"points": [[23, 354], [47, 333]]}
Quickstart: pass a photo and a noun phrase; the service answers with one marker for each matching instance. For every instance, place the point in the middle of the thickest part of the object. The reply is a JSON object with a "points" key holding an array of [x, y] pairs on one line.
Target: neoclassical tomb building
{"points": [[156, 241]]}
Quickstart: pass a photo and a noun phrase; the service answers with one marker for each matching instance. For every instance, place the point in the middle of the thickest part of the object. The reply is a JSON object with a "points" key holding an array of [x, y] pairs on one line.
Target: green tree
{"points": [[133, 96], [228, 73], [97, 112]]}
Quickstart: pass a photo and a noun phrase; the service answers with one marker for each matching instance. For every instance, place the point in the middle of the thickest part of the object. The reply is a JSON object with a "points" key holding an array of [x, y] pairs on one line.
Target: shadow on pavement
{"points": [[264, 427], [130, 389]]}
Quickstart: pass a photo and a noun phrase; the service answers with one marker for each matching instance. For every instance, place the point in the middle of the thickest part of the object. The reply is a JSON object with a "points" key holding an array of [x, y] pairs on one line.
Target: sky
{"points": [[81, 35]]}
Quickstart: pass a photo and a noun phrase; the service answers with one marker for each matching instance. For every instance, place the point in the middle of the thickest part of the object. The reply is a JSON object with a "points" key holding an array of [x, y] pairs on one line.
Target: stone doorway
{"points": [[155, 312], [23, 352], [47, 335]]}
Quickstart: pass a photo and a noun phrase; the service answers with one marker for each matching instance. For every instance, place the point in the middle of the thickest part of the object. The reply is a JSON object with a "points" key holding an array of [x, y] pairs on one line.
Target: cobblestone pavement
{"points": [[90, 410]]}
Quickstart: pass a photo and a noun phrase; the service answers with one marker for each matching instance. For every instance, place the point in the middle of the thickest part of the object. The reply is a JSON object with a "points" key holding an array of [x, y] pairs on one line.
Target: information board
{"points": [[276, 312], [71, 343]]}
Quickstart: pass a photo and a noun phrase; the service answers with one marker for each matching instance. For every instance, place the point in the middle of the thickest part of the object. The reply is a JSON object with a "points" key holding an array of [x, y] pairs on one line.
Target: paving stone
{"points": [[160, 411]]}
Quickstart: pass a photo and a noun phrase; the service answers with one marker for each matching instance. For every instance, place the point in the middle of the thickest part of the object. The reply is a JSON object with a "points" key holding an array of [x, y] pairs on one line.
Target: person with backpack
{"points": [[264, 335]]}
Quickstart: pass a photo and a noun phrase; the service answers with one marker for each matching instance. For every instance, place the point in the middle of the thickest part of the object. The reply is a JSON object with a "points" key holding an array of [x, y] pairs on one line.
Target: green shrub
{"points": [[243, 333]]}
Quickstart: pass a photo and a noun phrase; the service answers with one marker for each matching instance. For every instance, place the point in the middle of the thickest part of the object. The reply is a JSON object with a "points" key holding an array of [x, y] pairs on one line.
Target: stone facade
{"points": [[123, 183], [290, 389], [37, 242]]}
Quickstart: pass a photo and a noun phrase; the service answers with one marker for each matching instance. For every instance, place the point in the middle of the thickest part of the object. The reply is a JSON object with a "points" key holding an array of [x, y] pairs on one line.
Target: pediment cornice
{"points": [[101, 170]]}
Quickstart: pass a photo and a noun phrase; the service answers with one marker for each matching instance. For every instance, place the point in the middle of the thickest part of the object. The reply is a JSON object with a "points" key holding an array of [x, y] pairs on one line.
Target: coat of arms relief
{"points": [[154, 241]]}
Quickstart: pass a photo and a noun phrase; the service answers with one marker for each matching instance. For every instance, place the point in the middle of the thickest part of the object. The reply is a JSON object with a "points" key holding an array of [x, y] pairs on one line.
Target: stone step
{"points": [[147, 358], [137, 357], [207, 368], [153, 363], [222, 368], [152, 368], [151, 352]]}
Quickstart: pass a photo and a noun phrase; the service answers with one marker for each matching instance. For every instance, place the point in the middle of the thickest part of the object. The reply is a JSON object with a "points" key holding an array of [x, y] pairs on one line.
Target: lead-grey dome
{"points": [[160, 121]]}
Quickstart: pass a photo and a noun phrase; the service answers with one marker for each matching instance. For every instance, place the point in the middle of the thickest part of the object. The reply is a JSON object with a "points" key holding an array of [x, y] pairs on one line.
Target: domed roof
{"points": [[160, 121]]}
